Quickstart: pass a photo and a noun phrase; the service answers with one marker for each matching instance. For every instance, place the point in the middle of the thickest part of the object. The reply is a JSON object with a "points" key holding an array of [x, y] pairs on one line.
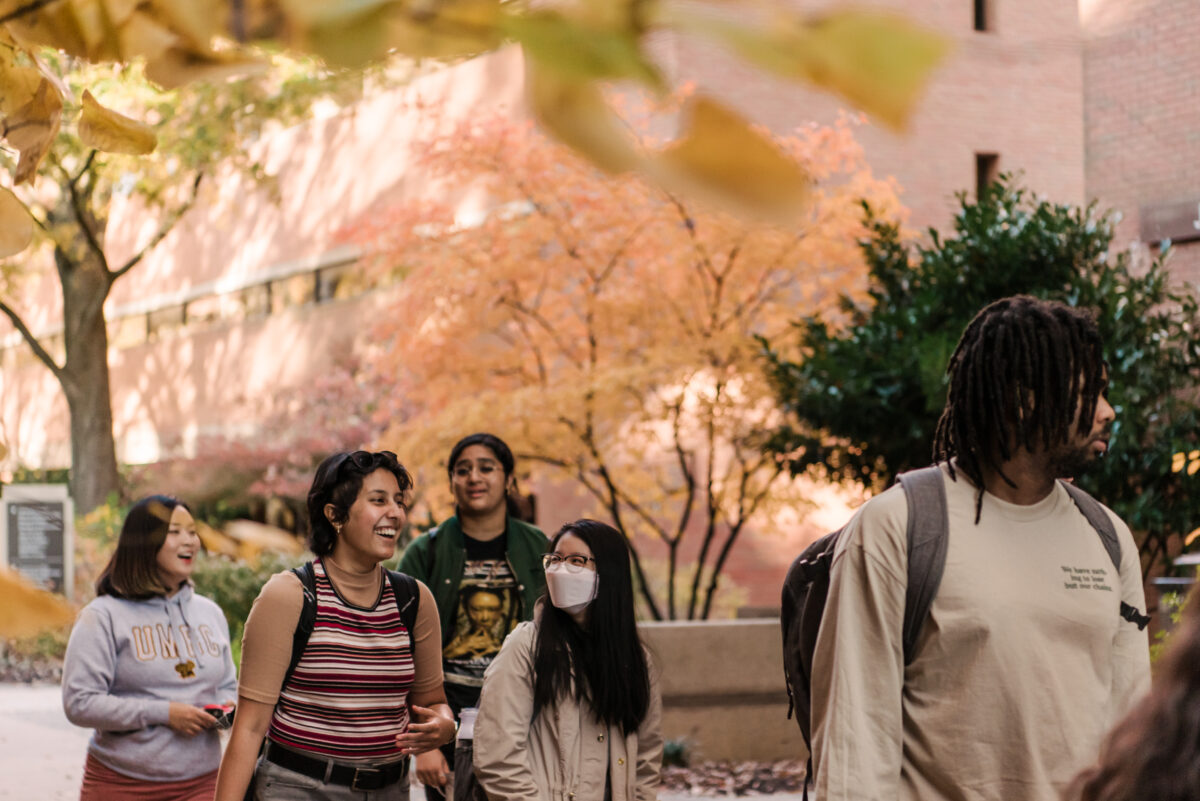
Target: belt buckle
{"points": [[367, 773]]}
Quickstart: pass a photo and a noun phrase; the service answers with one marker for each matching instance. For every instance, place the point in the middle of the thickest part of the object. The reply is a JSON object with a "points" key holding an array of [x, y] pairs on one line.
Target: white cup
{"points": [[466, 723]]}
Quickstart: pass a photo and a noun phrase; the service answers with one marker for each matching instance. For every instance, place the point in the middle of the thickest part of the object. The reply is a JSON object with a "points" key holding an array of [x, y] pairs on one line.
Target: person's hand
{"points": [[432, 769], [189, 720], [429, 730]]}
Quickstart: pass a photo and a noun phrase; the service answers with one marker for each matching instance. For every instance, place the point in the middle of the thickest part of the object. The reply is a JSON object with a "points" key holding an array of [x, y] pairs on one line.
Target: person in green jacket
{"points": [[484, 567]]}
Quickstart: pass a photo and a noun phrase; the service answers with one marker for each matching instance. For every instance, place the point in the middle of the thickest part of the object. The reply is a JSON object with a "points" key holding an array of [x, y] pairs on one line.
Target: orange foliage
{"points": [[606, 330]]}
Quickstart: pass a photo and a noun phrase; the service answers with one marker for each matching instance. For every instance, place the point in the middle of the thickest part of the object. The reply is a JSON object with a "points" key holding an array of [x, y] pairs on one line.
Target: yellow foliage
{"points": [[111, 132], [30, 111], [26, 609], [878, 61], [605, 328], [16, 226], [721, 157]]}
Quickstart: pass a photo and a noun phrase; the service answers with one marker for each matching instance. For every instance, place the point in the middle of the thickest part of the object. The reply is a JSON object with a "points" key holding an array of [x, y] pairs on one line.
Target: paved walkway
{"points": [[41, 754]]}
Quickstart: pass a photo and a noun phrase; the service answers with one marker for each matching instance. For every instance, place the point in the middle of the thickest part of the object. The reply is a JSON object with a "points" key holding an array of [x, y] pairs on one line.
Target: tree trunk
{"points": [[85, 381]]}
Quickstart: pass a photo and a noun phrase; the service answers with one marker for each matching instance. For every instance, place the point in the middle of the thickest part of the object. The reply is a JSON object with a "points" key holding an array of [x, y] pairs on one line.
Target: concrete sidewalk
{"points": [[41, 754]]}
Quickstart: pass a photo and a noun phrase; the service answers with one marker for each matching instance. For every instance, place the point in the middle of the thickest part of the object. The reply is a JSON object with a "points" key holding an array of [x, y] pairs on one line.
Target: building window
{"points": [[982, 21], [987, 167]]}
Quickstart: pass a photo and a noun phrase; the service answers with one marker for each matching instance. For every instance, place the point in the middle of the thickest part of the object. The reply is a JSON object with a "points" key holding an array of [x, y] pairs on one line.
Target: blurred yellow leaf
{"points": [[179, 66], [1193, 467], [721, 157], [576, 113], [196, 20], [1190, 538], [878, 61], [352, 43], [255, 537], [214, 541], [3, 451], [318, 13], [462, 28], [30, 123], [1193, 455], [111, 132], [26, 609], [120, 11], [16, 226], [1178, 461], [142, 36], [576, 50], [55, 25]]}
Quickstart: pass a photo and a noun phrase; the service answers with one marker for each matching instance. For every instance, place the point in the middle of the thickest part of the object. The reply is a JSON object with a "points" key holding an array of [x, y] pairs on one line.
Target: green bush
{"points": [[234, 585]]}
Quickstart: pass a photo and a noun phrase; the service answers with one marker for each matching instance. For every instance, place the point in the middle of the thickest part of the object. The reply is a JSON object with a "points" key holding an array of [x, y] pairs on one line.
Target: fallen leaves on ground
{"points": [[735, 778]]}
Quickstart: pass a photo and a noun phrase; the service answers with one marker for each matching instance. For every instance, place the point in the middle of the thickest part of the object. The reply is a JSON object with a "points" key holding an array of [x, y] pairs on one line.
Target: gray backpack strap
{"points": [[1103, 524], [928, 537]]}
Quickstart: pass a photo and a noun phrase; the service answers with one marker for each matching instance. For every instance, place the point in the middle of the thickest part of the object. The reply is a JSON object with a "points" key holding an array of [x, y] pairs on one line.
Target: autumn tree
{"points": [[158, 170], [606, 328]]}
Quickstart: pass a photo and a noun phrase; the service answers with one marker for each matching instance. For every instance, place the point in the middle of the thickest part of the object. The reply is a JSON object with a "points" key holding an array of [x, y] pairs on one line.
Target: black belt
{"points": [[356, 778]]}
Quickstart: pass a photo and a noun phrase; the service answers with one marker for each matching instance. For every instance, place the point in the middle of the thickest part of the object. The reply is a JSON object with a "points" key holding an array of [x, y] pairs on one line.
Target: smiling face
{"points": [[478, 481], [176, 558], [373, 523]]}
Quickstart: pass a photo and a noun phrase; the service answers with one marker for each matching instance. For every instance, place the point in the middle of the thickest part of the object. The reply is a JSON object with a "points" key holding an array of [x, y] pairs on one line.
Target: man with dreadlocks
{"points": [[1024, 660]]}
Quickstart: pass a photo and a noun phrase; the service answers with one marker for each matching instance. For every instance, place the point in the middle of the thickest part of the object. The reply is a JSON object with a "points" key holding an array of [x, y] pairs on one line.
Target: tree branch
{"points": [[81, 216], [170, 222], [36, 346]]}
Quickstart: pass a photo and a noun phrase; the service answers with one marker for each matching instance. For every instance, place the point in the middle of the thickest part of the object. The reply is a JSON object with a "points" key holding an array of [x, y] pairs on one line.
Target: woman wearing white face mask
{"points": [[570, 708]]}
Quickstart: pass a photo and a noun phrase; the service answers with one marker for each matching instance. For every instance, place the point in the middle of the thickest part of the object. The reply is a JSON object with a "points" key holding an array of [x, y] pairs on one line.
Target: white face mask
{"points": [[571, 592]]}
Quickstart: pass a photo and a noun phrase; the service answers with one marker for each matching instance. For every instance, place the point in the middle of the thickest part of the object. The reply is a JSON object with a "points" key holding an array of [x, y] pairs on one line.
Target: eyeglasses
{"points": [[574, 561]]}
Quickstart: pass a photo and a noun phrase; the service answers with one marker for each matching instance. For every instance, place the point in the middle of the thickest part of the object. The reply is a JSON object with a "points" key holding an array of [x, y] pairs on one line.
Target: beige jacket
{"points": [[564, 753]]}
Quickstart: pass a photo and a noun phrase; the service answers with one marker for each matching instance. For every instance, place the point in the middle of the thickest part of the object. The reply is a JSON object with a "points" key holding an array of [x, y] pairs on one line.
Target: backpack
{"points": [[806, 588], [404, 587]]}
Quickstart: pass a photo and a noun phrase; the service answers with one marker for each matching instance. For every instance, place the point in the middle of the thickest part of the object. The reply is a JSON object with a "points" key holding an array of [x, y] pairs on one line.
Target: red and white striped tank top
{"points": [[348, 697]]}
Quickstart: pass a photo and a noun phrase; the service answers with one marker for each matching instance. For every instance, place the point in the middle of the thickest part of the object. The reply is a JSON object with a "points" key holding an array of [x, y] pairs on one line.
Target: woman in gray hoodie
{"points": [[144, 658]]}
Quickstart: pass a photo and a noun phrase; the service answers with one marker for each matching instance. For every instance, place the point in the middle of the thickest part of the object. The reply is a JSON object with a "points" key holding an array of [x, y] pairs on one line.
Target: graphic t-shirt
{"points": [[488, 608]]}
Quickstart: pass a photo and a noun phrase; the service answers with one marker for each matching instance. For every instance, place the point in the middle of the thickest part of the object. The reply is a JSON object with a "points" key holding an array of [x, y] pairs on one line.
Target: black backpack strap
{"points": [[928, 537], [1103, 524], [308, 617], [408, 598]]}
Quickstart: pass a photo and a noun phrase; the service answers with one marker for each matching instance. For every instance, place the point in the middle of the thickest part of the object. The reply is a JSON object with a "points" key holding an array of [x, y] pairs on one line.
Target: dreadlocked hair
{"points": [[1023, 372]]}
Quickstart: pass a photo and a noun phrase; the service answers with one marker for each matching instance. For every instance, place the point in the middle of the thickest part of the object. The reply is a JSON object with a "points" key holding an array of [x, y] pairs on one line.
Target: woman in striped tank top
{"points": [[366, 692]]}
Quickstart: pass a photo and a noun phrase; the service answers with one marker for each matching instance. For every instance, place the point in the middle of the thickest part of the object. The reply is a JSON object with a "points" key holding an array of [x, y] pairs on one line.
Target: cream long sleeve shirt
{"points": [[1021, 667]]}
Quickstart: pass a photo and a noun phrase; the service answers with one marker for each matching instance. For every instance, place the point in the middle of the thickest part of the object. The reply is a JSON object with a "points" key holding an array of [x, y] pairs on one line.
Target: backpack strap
{"points": [[408, 599], [1103, 524], [928, 537], [308, 618]]}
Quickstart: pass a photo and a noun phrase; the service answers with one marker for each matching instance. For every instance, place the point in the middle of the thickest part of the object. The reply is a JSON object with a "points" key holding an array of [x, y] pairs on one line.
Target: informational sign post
{"points": [[38, 537]]}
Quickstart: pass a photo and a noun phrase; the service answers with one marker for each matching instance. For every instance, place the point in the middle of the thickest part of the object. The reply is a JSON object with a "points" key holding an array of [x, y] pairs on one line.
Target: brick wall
{"points": [[1015, 90], [1142, 112]]}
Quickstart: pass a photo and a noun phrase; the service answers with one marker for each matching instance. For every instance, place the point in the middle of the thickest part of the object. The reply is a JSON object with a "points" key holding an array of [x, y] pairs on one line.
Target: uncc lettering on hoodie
{"points": [[159, 642]]}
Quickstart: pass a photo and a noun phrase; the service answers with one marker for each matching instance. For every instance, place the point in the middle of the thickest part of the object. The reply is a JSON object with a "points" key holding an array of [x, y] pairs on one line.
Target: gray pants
{"points": [[275, 783]]}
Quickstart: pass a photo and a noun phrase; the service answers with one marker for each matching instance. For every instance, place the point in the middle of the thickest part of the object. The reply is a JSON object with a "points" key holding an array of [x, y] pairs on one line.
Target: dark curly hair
{"points": [[1021, 370], [338, 481], [1154, 753]]}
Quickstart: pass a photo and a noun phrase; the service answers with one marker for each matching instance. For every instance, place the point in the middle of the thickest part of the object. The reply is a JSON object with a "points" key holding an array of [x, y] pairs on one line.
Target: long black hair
{"points": [[338, 481], [607, 661], [504, 456], [132, 572], [1022, 371]]}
